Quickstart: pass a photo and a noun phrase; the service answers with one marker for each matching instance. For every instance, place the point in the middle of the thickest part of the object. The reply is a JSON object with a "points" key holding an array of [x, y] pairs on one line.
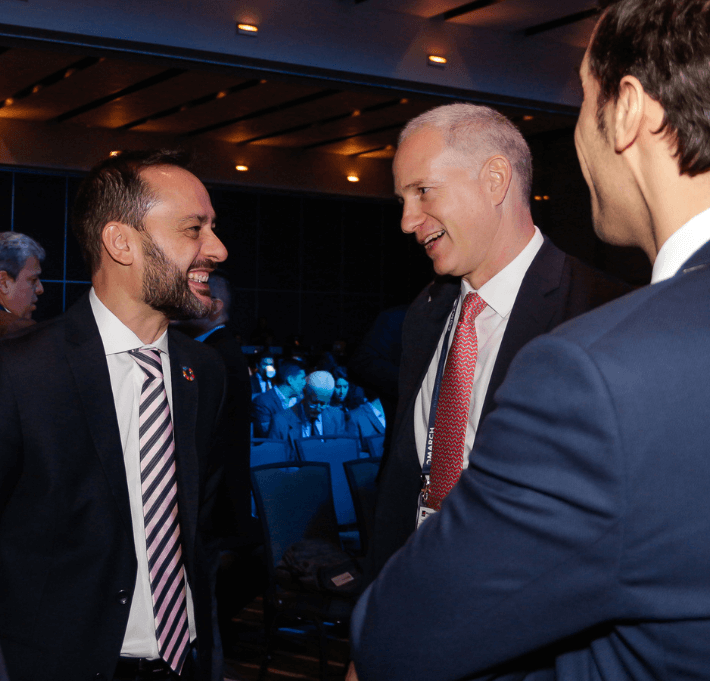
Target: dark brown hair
{"points": [[114, 191], [665, 44]]}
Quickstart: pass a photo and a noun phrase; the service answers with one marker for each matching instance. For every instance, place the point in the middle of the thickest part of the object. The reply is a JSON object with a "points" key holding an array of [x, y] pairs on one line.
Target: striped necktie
{"points": [[454, 400], [160, 512]]}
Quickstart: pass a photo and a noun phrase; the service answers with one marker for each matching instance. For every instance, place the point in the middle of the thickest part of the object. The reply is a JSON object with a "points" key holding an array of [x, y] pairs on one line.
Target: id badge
{"points": [[423, 512]]}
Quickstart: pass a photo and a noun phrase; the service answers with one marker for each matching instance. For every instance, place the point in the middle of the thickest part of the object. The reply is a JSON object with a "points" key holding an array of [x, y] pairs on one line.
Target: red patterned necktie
{"points": [[160, 512], [454, 400]]}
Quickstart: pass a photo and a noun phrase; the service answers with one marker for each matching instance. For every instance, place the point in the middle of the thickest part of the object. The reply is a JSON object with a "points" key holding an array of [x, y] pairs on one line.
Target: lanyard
{"points": [[426, 467]]}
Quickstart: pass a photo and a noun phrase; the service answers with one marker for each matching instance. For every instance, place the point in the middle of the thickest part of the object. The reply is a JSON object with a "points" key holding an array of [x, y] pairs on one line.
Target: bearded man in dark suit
{"points": [[463, 174], [111, 452]]}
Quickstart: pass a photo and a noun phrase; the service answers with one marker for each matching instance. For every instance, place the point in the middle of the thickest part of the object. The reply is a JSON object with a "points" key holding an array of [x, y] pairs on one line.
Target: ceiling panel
{"points": [[517, 15], [22, 67], [393, 116], [262, 96], [338, 104], [105, 77], [179, 90]]}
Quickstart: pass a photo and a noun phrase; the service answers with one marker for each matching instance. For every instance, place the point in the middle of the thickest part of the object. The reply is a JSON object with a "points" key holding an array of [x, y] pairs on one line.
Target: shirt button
{"points": [[122, 597]]}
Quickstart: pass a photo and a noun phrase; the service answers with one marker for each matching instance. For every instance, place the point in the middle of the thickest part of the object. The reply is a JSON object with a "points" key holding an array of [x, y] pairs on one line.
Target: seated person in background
{"points": [[261, 380], [368, 419], [19, 280], [290, 380], [313, 416], [340, 393]]}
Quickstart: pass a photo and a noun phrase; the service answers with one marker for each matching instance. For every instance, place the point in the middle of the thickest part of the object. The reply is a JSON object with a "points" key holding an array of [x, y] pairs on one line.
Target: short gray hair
{"points": [[320, 380], [478, 132], [15, 249]]}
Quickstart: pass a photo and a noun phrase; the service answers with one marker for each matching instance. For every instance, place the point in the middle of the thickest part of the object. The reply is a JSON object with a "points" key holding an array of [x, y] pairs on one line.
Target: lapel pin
{"points": [[188, 374]]}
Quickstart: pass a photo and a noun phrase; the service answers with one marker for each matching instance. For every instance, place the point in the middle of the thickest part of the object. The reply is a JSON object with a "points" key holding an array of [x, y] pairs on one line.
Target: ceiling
{"points": [[98, 88]]}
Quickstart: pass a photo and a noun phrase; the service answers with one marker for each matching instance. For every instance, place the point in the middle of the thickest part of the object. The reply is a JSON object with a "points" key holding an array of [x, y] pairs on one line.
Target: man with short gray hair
{"points": [[463, 174], [20, 258], [313, 416]]}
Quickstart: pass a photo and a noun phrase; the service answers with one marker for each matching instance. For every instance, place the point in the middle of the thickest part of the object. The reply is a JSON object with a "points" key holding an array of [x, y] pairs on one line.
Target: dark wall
{"points": [[316, 266]]}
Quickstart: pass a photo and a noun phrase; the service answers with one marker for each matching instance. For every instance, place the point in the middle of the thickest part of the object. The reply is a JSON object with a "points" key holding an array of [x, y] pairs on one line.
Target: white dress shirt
{"points": [[499, 293], [126, 384], [680, 246]]}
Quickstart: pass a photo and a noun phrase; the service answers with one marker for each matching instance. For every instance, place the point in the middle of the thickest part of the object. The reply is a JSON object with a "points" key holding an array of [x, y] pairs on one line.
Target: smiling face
{"points": [[445, 206], [180, 248], [19, 295]]}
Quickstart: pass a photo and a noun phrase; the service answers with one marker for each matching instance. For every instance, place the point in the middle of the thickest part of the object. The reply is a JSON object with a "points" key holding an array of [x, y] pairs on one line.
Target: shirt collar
{"points": [[115, 336], [680, 246], [501, 290]]}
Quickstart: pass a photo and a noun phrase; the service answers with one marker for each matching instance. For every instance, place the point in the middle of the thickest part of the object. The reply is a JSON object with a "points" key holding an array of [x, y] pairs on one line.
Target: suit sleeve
{"points": [[260, 415], [525, 549]]}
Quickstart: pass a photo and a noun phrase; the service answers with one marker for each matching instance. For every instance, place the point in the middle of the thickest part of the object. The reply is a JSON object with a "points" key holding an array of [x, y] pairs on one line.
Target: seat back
{"points": [[268, 451], [375, 445], [334, 450], [362, 475], [295, 502]]}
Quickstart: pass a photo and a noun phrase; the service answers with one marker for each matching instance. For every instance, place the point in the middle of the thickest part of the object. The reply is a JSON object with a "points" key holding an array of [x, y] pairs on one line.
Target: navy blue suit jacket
{"points": [[67, 556], [263, 408], [580, 535], [555, 288]]}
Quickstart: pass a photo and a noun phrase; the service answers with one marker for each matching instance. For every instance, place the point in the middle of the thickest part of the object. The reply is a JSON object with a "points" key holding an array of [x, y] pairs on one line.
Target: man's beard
{"points": [[166, 289]]}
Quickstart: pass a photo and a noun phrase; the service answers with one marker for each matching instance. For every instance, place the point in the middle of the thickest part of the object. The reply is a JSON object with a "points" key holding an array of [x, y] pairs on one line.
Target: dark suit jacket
{"points": [[581, 533], [233, 508], [255, 384], [287, 425], [263, 408], [555, 288], [364, 423], [67, 557]]}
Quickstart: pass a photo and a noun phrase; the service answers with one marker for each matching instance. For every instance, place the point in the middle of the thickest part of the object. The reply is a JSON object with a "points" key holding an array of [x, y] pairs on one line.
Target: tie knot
{"points": [[149, 360], [473, 306]]}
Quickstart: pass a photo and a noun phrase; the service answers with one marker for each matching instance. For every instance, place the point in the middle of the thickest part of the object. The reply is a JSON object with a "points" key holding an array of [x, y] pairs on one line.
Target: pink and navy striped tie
{"points": [[160, 512], [454, 400]]}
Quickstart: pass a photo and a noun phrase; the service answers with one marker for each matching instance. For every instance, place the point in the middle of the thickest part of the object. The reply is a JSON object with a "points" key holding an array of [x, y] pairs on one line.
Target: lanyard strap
{"points": [[426, 467]]}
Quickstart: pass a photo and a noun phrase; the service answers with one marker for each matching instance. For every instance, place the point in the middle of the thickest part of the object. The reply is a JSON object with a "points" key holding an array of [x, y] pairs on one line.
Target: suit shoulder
{"points": [[600, 286]]}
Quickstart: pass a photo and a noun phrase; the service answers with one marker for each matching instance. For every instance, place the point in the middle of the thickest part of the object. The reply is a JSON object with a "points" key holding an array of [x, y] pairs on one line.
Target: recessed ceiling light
{"points": [[115, 153], [242, 168], [528, 118], [436, 60], [354, 179], [247, 29]]}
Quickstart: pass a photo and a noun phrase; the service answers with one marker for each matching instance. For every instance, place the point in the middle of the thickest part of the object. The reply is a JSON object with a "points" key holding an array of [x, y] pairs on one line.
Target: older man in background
{"points": [[313, 416], [20, 285]]}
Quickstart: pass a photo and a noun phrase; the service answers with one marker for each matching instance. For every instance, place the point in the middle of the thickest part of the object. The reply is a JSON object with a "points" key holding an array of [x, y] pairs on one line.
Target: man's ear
{"points": [[119, 241], [496, 176], [628, 113], [6, 282]]}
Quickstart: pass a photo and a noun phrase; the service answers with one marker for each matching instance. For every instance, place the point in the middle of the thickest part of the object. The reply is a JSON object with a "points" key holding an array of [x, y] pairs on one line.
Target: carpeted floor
{"points": [[295, 656]]}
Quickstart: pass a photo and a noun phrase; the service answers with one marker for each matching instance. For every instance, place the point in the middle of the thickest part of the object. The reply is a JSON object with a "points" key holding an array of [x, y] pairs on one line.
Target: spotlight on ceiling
{"points": [[247, 29], [436, 61], [242, 168], [353, 178]]}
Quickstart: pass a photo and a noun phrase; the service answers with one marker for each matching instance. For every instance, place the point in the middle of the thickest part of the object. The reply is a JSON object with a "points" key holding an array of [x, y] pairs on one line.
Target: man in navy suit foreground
{"points": [[577, 544], [110, 454]]}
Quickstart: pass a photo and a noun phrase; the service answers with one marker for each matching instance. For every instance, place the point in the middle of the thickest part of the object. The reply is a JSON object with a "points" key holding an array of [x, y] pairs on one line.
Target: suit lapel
{"points": [[87, 360], [374, 420], [535, 306], [185, 399]]}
